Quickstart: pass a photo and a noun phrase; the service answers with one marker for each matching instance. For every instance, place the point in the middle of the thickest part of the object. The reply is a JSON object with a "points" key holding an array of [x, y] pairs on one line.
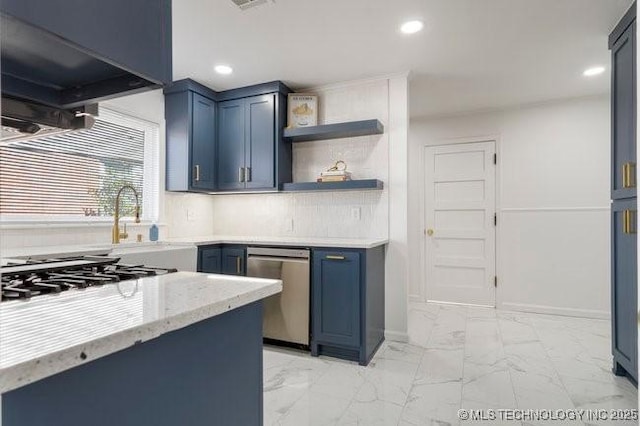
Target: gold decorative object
{"points": [[336, 173]]}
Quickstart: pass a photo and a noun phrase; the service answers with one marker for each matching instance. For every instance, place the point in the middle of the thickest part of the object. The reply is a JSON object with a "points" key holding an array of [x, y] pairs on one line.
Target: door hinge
{"points": [[495, 158], [495, 281], [495, 219]]}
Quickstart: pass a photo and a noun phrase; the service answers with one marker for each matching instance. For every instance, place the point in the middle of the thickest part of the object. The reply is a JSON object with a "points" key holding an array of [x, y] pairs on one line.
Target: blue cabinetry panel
{"points": [[336, 297], [190, 142], [248, 151], [203, 145], [260, 143], [234, 260], [210, 259], [624, 216], [231, 144], [623, 109], [247, 143], [347, 303], [624, 292]]}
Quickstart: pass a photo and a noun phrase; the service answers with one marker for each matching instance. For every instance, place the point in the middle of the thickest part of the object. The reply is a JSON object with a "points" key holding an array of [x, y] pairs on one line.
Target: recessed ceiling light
{"points": [[590, 72], [223, 69], [411, 27]]}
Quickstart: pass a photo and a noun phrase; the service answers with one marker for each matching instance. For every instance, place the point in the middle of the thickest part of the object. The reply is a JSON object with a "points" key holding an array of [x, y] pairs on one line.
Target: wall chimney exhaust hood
{"points": [[70, 53]]}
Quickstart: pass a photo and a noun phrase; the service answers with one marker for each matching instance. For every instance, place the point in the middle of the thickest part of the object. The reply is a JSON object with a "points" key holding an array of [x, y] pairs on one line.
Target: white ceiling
{"points": [[473, 54]]}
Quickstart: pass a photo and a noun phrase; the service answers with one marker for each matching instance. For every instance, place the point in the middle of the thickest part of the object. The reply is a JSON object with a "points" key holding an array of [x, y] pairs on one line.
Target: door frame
{"points": [[423, 209]]}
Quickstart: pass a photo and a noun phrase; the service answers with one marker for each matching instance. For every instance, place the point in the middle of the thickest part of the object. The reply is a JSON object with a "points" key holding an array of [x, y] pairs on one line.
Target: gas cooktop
{"points": [[23, 279]]}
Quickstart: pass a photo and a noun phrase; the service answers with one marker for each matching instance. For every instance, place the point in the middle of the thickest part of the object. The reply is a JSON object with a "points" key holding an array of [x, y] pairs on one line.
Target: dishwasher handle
{"points": [[278, 259], [285, 253]]}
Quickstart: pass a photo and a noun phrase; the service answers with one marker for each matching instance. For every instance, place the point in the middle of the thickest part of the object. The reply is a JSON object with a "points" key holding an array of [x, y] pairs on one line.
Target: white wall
{"points": [[553, 202], [173, 207]]}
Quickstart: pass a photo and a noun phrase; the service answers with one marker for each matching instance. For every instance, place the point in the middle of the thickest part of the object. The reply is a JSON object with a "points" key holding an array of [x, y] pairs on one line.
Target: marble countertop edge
{"points": [[21, 374]]}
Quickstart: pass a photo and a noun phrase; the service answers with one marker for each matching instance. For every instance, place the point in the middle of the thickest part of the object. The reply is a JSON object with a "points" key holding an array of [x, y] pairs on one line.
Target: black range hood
{"points": [[24, 120], [70, 53]]}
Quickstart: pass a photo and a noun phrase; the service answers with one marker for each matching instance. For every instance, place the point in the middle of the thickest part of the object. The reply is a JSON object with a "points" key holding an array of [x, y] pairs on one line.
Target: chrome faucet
{"points": [[115, 232]]}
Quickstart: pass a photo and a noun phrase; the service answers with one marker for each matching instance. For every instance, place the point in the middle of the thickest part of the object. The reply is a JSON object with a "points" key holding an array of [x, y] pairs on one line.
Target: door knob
{"points": [[429, 232]]}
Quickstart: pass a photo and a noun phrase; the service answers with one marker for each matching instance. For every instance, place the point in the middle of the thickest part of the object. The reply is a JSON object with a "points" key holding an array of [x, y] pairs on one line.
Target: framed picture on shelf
{"points": [[302, 110]]}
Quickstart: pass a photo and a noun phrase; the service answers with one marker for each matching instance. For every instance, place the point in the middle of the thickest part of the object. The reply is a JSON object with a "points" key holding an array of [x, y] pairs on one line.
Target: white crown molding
{"points": [[359, 82]]}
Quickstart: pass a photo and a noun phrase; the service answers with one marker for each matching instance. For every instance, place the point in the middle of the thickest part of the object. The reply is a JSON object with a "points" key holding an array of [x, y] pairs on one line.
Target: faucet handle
{"points": [[124, 235]]}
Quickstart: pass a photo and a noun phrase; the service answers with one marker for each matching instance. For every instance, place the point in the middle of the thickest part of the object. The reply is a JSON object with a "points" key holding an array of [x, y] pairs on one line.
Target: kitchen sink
{"points": [[155, 253]]}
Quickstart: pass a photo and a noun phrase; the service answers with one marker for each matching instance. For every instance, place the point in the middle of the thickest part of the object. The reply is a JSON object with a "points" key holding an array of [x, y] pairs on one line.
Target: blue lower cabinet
{"points": [[234, 260], [624, 289], [347, 303], [210, 259]]}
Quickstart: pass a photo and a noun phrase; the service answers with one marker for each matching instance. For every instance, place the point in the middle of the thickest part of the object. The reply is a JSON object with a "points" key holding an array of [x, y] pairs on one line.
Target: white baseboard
{"points": [[553, 310], [396, 336]]}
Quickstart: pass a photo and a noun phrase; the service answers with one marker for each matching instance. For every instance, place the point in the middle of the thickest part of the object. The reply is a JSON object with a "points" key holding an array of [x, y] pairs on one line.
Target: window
{"points": [[75, 176]]}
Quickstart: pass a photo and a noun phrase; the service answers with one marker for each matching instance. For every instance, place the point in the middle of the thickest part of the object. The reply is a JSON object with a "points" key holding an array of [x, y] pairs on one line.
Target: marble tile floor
{"points": [[459, 357]]}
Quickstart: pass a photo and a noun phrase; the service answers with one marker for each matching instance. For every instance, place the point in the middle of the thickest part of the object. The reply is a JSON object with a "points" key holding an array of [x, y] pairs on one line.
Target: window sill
{"points": [[17, 224]]}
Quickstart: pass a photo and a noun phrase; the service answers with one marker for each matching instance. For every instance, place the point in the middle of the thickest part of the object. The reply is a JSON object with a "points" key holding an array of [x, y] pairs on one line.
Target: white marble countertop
{"points": [[49, 334], [364, 243], [97, 249]]}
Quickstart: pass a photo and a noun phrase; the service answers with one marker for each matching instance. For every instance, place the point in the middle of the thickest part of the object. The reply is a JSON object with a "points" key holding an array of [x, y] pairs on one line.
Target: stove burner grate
{"points": [[33, 278]]}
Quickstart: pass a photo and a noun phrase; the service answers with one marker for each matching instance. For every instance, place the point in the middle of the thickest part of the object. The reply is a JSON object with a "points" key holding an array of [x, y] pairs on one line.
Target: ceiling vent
{"points": [[247, 4]]}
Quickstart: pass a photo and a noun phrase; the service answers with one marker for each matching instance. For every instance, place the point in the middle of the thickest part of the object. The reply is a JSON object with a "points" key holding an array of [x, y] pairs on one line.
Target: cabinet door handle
{"points": [[238, 265], [241, 175], [196, 172], [247, 174], [333, 257], [629, 222], [629, 175]]}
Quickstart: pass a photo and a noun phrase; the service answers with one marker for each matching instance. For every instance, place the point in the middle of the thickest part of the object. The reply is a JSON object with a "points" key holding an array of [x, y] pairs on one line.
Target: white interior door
{"points": [[459, 224]]}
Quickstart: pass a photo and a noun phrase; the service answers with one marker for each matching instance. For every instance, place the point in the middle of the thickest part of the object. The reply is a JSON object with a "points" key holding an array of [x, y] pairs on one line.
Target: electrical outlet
{"points": [[191, 215], [355, 213]]}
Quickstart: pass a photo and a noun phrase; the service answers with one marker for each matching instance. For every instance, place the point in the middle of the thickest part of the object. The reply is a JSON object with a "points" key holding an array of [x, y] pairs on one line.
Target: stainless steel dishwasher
{"points": [[286, 314]]}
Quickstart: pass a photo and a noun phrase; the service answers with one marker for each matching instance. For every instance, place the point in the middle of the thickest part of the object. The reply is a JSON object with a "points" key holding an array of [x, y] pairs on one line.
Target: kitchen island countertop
{"points": [[53, 333]]}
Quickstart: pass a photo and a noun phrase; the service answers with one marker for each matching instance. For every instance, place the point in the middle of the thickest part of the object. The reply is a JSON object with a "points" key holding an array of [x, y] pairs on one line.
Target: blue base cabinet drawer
{"points": [[347, 290]]}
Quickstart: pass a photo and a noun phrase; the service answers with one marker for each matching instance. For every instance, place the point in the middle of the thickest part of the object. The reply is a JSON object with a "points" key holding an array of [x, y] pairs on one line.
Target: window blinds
{"points": [[76, 175]]}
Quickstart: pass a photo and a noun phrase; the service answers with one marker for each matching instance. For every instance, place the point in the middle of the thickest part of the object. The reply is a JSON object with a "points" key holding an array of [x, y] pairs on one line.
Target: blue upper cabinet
{"points": [[226, 141], [246, 143], [252, 152], [67, 53], [231, 146], [203, 144], [190, 117], [260, 142], [623, 104]]}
